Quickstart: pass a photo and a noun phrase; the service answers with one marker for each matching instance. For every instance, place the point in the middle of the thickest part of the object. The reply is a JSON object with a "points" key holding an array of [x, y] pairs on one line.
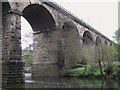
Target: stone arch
{"points": [[5, 7], [111, 43], [87, 38], [39, 18], [106, 43], [71, 43], [45, 45], [45, 41], [98, 41]]}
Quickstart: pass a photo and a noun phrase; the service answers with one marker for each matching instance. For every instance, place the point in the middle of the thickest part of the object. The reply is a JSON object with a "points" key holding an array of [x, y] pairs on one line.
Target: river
{"points": [[68, 82]]}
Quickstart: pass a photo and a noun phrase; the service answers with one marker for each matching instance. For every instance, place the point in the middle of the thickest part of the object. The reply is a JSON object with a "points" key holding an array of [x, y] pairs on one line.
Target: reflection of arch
{"points": [[87, 38], [98, 41], [39, 18], [71, 43]]}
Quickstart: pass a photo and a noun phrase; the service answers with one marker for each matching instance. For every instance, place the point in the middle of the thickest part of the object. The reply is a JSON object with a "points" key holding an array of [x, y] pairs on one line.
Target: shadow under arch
{"points": [[5, 7], [71, 43], [105, 42], [44, 43], [39, 18], [87, 38]]}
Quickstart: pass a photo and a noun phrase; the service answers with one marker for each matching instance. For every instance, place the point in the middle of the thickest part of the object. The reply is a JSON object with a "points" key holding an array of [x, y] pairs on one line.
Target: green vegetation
{"points": [[100, 61], [27, 57], [117, 35], [94, 72], [117, 38], [80, 71], [89, 72]]}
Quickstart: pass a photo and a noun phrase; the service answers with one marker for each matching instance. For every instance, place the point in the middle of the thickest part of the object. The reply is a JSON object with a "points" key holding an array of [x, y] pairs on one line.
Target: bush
{"points": [[89, 71], [117, 69], [116, 72], [118, 65], [109, 70], [97, 72]]}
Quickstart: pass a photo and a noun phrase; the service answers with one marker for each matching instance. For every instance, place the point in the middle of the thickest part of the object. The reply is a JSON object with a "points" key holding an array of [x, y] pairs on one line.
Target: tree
{"points": [[105, 56], [27, 52], [27, 57], [99, 54], [88, 56], [117, 38]]}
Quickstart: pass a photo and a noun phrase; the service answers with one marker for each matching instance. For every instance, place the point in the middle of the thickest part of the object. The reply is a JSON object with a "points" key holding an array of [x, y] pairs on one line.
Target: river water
{"points": [[67, 82]]}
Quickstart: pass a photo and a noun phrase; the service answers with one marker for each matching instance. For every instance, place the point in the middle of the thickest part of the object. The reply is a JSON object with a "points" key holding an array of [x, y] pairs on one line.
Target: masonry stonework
{"points": [[11, 54], [55, 47], [45, 54]]}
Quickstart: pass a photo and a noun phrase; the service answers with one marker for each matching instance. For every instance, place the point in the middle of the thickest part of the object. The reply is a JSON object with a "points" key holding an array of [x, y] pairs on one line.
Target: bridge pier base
{"points": [[45, 70], [13, 72], [12, 65]]}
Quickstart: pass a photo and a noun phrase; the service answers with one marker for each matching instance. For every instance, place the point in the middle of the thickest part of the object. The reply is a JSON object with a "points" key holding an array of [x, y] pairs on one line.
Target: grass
{"points": [[89, 72], [81, 71], [78, 70], [94, 72]]}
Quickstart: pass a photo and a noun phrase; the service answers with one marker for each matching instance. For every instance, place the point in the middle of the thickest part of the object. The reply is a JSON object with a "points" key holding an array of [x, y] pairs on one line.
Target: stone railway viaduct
{"points": [[58, 37]]}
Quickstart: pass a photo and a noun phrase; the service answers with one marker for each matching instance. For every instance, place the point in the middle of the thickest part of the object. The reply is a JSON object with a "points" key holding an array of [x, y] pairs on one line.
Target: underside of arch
{"points": [[87, 38], [5, 7], [39, 18]]}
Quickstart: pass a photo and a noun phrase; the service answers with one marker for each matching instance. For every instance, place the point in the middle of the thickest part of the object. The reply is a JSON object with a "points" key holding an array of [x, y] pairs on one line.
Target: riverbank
{"points": [[90, 72]]}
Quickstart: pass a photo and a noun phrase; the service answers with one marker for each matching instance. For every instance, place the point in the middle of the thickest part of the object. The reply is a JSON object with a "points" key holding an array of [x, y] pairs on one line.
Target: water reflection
{"points": [[66, 82]]}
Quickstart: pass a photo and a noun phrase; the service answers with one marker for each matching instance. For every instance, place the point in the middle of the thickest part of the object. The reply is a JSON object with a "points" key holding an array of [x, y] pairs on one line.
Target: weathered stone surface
{"points": [[11, 50], [45, 70], [71, 44], [0, 41], [56, 44], [45, 53]]}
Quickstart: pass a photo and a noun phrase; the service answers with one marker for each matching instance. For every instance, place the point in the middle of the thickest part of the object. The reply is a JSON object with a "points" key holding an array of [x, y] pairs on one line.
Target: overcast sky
{"points": [[101, 15]]}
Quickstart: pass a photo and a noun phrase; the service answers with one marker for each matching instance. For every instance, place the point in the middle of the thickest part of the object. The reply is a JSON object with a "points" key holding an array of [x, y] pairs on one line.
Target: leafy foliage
{"points": [[27, 57], [117, 36]]}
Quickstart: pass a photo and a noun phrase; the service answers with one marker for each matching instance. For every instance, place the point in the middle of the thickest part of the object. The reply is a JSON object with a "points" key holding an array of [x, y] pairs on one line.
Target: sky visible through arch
{"points": [[100, 14]]}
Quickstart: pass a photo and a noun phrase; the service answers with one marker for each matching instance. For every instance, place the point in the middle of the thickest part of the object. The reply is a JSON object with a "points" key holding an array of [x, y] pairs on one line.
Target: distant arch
{"points": [[68, 26], [105, 42], [87, 38], [98, 41], [71, 43], [111, 43]]}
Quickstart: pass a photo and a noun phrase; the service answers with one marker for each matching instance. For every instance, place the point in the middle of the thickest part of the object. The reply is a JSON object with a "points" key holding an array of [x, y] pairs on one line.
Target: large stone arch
{"points": [[45, 42], [71, 43], [87, 38]]}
